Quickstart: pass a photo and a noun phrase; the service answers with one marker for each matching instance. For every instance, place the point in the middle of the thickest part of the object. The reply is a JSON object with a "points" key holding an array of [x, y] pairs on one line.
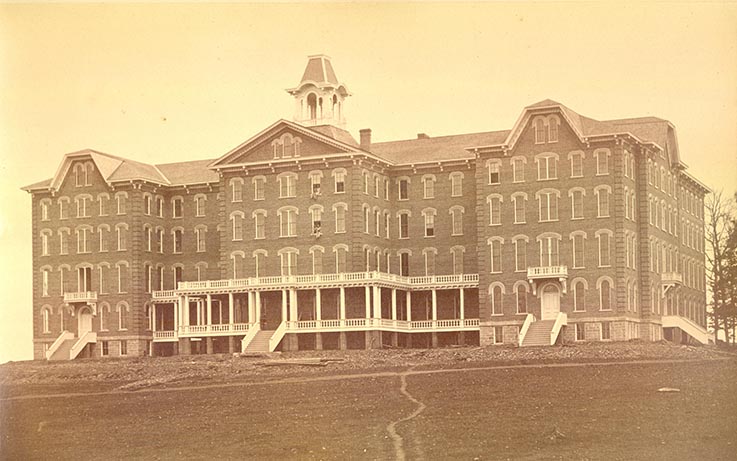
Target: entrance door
{"points": [[550, 302], [84, 323]]}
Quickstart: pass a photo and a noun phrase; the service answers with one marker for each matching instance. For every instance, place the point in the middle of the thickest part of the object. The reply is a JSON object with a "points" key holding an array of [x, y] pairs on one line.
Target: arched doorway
{"points": [[550, 302], [84, 321]]}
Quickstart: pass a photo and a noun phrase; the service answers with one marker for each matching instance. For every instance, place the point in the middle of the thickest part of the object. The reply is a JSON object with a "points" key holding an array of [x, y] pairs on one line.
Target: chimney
{"points": [[422, 136], [366, 139]]}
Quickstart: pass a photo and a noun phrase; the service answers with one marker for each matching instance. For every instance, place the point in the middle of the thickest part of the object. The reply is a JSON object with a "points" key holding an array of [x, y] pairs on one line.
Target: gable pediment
{"points": [[283, 140]]}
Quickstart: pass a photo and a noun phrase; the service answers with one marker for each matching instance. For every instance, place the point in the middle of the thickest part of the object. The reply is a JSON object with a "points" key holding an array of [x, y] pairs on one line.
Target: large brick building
{"points": [[562, 228]]}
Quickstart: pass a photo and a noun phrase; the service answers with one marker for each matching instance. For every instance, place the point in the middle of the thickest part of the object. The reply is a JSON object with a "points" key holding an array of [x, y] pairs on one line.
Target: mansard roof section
{"points": [[426, 149], [651, 131], [319, 72], [112, 168], [251, 151]]}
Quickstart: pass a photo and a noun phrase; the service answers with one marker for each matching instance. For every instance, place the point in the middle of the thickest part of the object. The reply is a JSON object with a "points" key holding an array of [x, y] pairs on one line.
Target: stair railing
{"points": [[89, 337], [253, 330], [277, 336], [560, 320], [65, 335], [525, 326]]}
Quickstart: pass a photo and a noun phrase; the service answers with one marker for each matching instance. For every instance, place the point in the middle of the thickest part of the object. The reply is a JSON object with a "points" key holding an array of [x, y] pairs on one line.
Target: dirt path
{"points": [[392, 427], [384, 374]]}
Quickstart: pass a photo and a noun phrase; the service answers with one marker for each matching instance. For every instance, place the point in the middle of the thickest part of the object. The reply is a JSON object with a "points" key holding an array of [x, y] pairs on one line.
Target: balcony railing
{"points": [[317, 279], [545, 272], [223, 329], [164, 294], [385, 324], [80, 297], [671, 277]]}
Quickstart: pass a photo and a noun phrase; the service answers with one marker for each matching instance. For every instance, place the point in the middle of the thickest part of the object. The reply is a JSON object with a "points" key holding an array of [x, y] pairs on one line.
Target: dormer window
{"points": [[286, 146], [552, 122], [539, 131]]}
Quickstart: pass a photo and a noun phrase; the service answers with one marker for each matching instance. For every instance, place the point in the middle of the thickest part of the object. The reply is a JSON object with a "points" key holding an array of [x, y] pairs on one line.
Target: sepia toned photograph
{"points": [[368, 231]]}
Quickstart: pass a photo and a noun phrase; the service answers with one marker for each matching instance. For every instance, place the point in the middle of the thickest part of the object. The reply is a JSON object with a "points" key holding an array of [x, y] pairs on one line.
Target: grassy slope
{"points": [[612, 412]]}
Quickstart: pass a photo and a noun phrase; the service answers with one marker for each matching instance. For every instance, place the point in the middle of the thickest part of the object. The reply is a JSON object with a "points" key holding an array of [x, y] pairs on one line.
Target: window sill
{"points": [[429, 236], [547, 179], [607, 216], [456, 235], [498, 315], [521, 222], [576, 176], [548, 220], [495, 272], [577, 219], [602, 174]]}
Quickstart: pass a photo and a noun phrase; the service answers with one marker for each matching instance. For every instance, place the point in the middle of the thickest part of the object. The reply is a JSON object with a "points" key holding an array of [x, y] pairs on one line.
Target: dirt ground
{"points": [[475, 403]]}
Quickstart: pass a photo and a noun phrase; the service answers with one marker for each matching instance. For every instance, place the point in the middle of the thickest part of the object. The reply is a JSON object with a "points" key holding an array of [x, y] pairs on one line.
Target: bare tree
{"points": [[719, 228]]}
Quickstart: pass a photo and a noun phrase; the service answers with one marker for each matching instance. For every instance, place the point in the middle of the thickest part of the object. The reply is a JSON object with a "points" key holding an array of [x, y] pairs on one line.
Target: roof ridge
{"points": [[430, 138]]}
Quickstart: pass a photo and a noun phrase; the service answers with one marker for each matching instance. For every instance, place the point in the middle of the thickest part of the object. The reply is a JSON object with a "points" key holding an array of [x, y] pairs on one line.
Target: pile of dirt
{"points": [[142, 372]]}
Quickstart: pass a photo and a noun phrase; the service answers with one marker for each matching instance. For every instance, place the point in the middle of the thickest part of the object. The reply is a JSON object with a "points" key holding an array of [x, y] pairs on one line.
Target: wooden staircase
{"points": [[260, 342], [538, 334], [65, 348]]}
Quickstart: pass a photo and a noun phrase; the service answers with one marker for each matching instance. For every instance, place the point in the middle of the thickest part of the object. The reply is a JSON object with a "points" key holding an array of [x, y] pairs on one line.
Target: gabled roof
{"points": [[647, 130], [339, 134], [272, 129], [116, 169]]}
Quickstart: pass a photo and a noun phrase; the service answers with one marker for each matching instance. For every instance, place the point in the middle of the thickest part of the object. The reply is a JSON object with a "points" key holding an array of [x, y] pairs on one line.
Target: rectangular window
{"points": [[456, 185], [520, 255], [403, 189], [404, 264], [602, 163], [547, 168], [45, 283], [606, 331], [579, 331], [603, 196], [576, 166], [258, 189], [494, 176], [377, 223], [377, 186], [123, 347], [498, 335], [177, 241], [316, 185], [147, 205], [496, 256], [339, 220], [519, 209], [549, 251], [177, 208], [429, 225], [317, 262], [103, 205], [105, 348], [604, 260], [339, 182], [577, 205], [548, 207], [578, 251], [236, 190], [288, 223], [495, 211], [403, 226], [429, 190], [200, 206], [518, 170], [200, 240], [457, 217], [64, 243], [287, 186]]}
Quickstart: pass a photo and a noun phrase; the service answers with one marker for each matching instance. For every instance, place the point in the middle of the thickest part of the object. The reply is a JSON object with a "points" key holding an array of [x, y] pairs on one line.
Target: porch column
{"points": [[409, 306], [177, 313], [209, 309], [367, 291], [377, 302], [185, 311], [231, 320], [293, 310], [284, 305], [434, 304], [318, 305], [251, 307], [257, 306], [153, 317], [463, 304], [342, 303], [394, 304]]}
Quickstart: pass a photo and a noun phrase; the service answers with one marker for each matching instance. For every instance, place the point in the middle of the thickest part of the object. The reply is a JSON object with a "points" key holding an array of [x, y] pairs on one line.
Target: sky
{"points": [[174, 82]]}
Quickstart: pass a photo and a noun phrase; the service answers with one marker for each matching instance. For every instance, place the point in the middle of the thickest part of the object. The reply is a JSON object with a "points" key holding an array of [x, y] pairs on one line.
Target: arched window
{"points": [[520, 292], [605, 294], [429, 214], [496, 292], [539, 130], [579, 295], [312, 106]]}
